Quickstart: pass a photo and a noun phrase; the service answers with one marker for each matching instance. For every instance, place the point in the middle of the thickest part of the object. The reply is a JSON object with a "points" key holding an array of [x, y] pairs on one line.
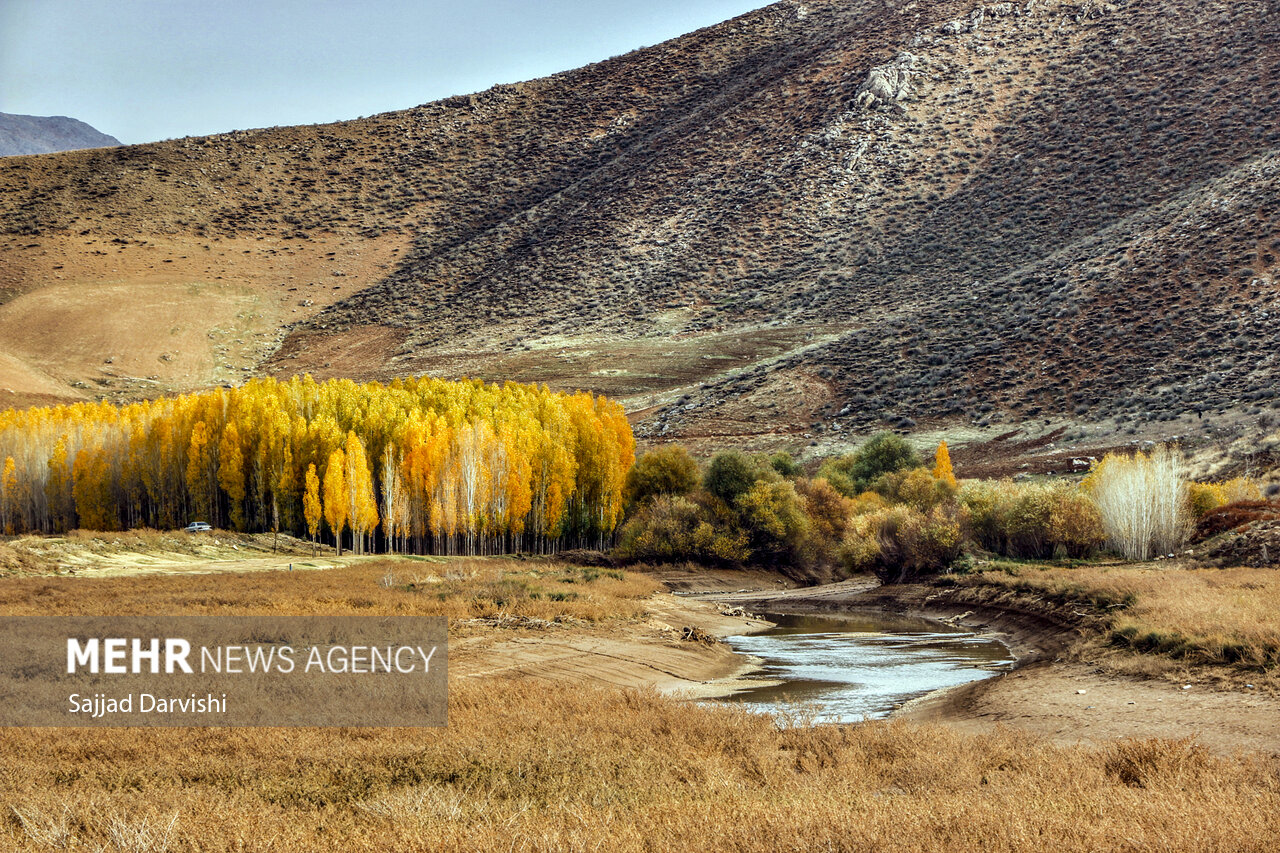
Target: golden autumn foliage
{"points": [[311, 511], [454, 467], [942, 466], [1206, 497]]}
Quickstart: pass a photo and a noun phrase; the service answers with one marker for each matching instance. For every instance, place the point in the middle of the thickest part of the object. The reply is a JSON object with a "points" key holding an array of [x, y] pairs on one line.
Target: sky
{"points": [[146, 70]]}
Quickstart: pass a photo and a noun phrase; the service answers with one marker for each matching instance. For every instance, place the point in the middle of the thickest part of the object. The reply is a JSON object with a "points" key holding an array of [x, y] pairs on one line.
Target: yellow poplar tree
{"points": [[231, 473], [459, 466], [335, 496], [311, 510], [942, 465], [94, 497], [202, 472], [8, 494], [58, 488], [362, 506]]}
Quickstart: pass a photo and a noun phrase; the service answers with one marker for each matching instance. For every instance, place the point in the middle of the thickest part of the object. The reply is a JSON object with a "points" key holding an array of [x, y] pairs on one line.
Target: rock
{"points": [[888, 83], [974, 19]]}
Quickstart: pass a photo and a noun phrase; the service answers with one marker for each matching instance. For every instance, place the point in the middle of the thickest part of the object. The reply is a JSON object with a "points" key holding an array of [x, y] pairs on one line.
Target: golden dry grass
{"points": [[458, 590], [531, 766], [1228, 617]]}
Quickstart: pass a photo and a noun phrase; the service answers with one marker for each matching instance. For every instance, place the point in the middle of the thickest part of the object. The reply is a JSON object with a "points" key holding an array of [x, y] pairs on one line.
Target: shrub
{"points": [[784, 464], [1204, 498], [860, 548], [917, 487], [837, 473], [730, 475], [1031, 520], [1075, 525], [829, 511], [868, 502], [981, 500], [1142, 501], [673, 528], [829, 516], [901, 543], [666, 471], [774, 518], [883, 453], [1024, 515]]}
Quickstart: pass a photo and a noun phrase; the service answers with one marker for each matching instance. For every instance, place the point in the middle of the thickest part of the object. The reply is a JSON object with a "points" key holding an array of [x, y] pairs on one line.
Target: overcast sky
{"points": [[144, 70]]}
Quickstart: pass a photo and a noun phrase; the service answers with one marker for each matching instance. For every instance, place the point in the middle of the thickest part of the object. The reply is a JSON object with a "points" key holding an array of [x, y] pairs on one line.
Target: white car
{"points": [[197, 527]]}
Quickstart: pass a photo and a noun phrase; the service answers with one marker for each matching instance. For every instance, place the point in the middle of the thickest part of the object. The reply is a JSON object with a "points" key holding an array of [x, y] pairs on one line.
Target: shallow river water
{"points": [[854, 667]]}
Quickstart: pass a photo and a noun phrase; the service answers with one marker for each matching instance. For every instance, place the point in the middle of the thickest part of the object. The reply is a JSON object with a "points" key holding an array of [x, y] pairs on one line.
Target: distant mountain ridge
{"points": [[47, 134]]}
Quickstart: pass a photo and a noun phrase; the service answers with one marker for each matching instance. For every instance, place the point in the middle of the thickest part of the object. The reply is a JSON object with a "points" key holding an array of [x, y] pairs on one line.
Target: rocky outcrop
{"points": [[974, 20], [889, 83]]}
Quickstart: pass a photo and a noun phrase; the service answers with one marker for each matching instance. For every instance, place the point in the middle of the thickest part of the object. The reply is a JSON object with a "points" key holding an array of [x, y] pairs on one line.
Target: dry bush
{"points": [[1233, 515], [1143, 502]]}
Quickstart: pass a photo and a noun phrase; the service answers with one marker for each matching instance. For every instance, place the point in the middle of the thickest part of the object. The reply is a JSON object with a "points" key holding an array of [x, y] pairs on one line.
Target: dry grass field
{"points": [[1228, 619], [527, 766], [531, 764], [458, 589]]}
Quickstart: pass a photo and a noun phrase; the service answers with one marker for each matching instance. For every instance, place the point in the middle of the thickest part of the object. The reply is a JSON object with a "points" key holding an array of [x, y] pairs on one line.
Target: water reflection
{"points": [[854, 667]]}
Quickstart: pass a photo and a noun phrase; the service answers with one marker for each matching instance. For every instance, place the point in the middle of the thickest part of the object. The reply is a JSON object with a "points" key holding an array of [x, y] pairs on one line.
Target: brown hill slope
{"points": [[816, 219]]}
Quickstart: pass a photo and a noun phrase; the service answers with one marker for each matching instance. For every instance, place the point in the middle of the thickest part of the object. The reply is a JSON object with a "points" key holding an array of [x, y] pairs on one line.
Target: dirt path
{"points": [[1065, 702]]}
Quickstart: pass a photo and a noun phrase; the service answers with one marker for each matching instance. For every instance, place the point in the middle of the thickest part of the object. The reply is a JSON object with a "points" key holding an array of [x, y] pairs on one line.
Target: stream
{"points": [[853, 667]]}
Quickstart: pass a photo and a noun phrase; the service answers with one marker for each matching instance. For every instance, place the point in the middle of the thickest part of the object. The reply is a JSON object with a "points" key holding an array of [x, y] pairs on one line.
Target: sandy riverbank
{"points": [[657, 652]]}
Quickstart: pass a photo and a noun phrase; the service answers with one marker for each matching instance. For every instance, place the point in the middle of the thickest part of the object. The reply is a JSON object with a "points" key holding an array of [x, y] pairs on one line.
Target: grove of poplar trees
{"points": [[421, 465]]}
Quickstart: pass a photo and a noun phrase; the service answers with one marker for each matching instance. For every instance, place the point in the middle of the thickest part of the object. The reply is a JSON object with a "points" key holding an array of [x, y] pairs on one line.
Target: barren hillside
{"points": [[804, 223]]}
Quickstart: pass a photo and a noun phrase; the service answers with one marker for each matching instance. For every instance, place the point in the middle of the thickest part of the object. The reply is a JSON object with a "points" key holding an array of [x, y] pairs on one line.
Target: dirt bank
{"points": [[1064, 701], [674, 650]]}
